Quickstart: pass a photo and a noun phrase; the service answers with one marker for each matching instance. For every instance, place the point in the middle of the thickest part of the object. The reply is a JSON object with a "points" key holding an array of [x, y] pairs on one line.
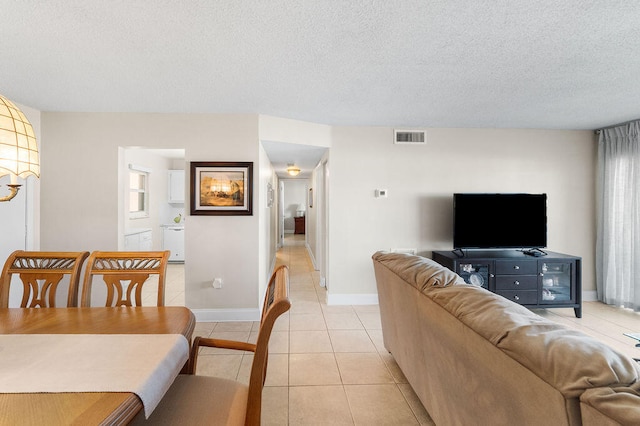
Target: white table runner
{"points": [[145, 364]]}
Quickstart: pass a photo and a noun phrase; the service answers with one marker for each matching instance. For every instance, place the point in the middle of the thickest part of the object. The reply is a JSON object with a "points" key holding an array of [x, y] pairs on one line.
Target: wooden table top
{"points": [[85, 408]]}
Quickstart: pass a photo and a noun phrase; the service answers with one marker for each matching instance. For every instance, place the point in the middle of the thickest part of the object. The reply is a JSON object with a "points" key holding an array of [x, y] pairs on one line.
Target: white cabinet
{"points": [[138, 240], [173, 240], [176, 186]]}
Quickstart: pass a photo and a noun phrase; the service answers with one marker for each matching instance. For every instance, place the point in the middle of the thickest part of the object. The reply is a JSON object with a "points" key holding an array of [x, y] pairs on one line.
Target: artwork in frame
{"points": [[269, 195], [221, 188]]}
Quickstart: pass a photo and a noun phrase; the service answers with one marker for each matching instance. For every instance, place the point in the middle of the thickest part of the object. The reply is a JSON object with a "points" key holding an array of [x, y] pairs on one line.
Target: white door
{"points": [[322, 223], [280, 213]]}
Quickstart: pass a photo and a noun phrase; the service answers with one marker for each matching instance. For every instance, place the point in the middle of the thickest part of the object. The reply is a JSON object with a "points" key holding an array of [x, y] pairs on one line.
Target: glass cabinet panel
{"points": [[556, 282], [475, 273]]}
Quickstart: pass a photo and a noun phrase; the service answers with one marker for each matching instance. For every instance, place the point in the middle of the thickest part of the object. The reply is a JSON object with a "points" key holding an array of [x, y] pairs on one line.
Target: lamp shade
{"points": [[18, 147]]}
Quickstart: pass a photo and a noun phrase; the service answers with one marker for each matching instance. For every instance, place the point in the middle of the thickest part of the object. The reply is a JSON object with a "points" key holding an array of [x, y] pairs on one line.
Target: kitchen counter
{"points": [[134, 231], [173, 225], [138, 239]]}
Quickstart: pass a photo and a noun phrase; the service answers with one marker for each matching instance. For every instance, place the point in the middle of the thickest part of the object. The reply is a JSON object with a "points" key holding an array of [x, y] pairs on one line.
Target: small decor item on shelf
{"points": [[178, 218]]}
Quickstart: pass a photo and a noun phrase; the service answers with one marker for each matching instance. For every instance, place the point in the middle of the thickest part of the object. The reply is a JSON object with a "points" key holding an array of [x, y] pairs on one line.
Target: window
{"points": [[138, 192]]}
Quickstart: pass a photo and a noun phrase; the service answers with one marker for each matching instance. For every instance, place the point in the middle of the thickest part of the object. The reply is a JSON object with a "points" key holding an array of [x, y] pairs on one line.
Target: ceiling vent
{"points": [[413, 137]]}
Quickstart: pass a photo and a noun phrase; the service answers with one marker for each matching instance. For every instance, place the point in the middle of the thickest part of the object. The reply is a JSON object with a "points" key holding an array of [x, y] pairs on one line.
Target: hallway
{"points": [[327, 364]]}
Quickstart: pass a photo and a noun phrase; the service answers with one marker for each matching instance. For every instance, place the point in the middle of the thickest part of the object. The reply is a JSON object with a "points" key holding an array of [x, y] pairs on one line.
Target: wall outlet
{"points": [[381, 193], [217, 283]]}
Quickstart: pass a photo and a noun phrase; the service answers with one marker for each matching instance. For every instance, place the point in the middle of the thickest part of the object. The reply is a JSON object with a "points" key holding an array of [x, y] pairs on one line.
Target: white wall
{"points": [[421, 180], [80, 153], [267, 216], [316, 222]]}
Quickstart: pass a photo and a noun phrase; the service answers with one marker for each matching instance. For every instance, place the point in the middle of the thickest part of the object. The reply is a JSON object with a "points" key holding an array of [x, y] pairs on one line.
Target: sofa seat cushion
{"points": [[418, 271]]}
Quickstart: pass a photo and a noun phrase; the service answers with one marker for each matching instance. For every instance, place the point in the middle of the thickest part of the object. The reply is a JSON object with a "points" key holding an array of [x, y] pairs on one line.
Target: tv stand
{"points": [[553, 281]]}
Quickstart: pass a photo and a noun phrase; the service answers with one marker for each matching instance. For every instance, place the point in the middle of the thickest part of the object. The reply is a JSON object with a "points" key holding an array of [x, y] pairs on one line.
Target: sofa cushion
{"points": [[418, 271]]}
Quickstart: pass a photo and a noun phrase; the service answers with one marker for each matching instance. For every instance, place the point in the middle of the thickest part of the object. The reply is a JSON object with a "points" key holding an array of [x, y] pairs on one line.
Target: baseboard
{"points": [[589, 296], [312, 257], [226, 315], [352, 299]]}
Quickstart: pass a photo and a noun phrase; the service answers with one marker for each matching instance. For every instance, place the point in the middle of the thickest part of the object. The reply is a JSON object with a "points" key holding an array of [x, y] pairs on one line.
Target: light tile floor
{"points": [[327, 364]]}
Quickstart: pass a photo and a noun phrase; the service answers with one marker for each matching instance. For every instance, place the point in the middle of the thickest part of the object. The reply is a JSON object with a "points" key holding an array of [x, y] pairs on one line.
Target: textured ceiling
{"points": [[429, 63]]}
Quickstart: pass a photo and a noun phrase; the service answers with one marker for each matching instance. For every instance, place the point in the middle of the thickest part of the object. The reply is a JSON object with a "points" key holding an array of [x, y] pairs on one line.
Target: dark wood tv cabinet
{"points": [[551, 281]]}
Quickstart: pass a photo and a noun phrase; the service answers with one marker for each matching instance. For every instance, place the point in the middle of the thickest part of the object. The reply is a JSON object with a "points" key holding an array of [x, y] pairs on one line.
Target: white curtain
{"points": [[618, 204]]}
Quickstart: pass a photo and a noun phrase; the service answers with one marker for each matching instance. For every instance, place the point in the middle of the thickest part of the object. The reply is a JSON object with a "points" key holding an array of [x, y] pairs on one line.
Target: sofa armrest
{"points": [[609, 406]]}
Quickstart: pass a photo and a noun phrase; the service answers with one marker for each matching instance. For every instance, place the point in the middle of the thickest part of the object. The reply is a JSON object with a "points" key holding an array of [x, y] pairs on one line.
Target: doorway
{"points": [[294, 203], [164, 215]]}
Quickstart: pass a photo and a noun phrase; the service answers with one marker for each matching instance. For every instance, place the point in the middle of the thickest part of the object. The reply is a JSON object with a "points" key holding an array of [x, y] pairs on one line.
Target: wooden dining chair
{"points": [[124, 273], [41, 273], [205, 400]]}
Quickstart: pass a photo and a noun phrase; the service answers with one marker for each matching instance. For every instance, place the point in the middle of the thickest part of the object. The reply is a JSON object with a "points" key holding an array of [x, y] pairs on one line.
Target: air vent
{"points": [[413, 137]]}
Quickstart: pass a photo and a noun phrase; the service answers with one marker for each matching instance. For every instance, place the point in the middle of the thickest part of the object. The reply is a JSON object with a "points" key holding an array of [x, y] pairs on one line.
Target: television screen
{"points": [[499, 221]]}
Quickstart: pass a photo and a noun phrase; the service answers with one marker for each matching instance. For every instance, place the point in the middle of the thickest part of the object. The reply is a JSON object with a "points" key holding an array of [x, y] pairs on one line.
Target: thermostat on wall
{"points": [[381, 193]]}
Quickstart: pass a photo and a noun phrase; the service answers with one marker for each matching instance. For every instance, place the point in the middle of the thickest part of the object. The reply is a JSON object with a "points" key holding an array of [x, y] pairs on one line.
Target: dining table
{"points": [[87, 407]]}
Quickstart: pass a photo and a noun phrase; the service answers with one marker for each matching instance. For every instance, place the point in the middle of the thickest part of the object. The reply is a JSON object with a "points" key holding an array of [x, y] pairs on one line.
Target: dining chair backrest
{"points": [[202, 399], [41, 274], [124, 273], [276, 303]]}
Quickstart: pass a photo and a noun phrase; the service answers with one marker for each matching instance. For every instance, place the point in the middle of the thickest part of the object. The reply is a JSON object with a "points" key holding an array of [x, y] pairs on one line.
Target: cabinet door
{"points": [[132, 242], [146, 241], [478, 272], [557, 281], [176, 186]]}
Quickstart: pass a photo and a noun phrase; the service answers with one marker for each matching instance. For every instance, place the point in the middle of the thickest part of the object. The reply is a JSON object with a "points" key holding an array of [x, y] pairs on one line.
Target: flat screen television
{"points": [[507, 221]]}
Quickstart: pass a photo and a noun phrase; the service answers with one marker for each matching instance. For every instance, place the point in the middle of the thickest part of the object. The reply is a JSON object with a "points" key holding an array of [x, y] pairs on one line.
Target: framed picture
{"points": [[269, 195], [221, 188], [310, 197]]}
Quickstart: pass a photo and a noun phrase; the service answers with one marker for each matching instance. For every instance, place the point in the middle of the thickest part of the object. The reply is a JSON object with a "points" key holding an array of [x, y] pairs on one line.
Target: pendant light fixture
{"points": [[18, 148], [293, 170]]}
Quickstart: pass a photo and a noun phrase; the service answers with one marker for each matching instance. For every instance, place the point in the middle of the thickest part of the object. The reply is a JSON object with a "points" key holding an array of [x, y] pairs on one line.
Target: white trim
{"points": [[139, 168], [352, 299], [589, 296], [224, 315], [313, 259]]}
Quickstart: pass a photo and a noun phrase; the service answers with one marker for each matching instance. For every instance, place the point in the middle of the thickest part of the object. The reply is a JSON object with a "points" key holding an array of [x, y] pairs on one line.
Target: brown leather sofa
{"points": [[476, 358]]}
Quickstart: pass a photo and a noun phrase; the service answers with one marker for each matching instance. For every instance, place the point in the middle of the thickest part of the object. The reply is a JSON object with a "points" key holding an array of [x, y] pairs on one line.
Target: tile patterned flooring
{"points": [[327, 364]]}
